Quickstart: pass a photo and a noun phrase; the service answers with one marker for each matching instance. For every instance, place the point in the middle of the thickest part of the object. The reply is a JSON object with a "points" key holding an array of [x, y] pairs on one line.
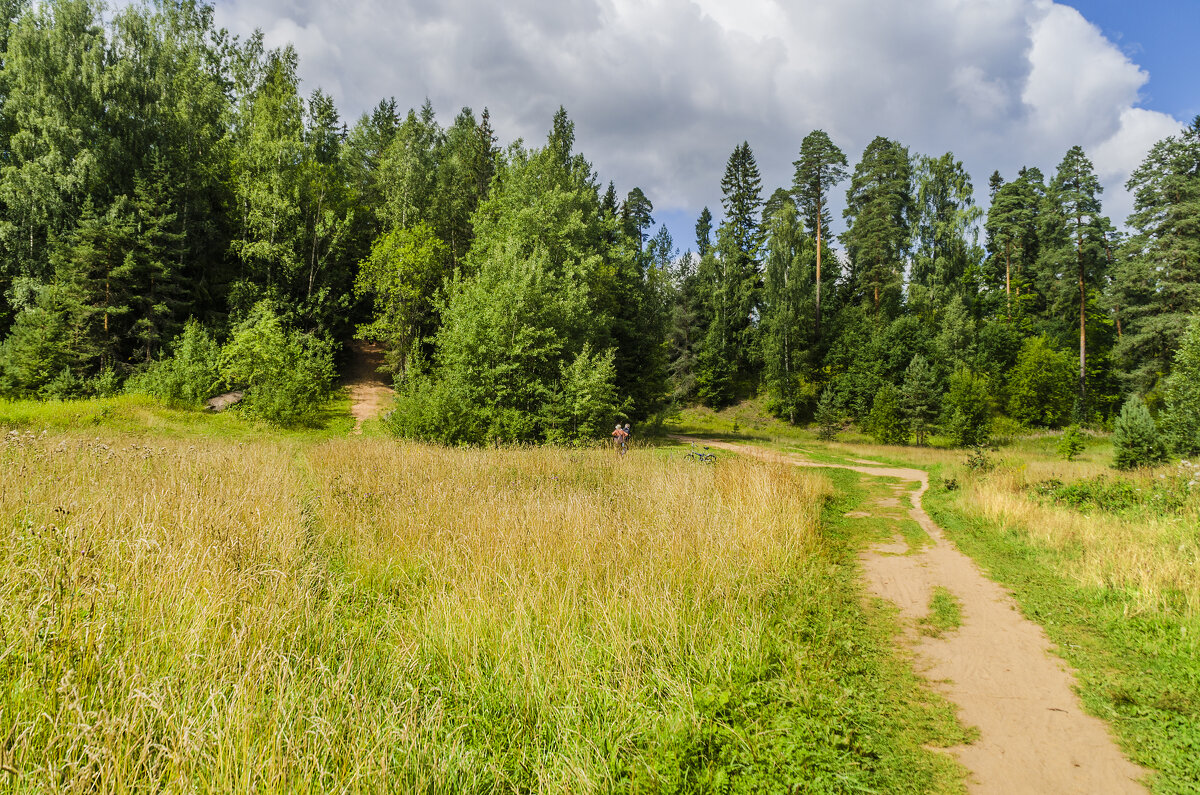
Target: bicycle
{"points": [[703, 457]]}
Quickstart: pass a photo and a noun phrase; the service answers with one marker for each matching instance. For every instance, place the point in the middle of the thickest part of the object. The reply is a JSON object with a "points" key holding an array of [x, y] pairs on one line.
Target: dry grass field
{"points": [[284, 614]]}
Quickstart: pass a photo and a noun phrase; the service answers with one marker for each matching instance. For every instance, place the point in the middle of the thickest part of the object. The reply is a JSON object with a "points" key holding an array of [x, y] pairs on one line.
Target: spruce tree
{"points": [[1136, 440], [1182, 393], [703, 232], [920, 398]]}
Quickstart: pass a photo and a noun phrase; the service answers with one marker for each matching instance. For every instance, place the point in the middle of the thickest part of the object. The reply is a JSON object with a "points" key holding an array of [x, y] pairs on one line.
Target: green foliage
{"points": [[1164, 495], [189, 376], [879, 208], [1040, 385], [979, 458], [788, 313], [828, 416], [400, 276], [1156, 286], [968, 409], [944, 220], [886, 421], [1181, 392], [1071, 443], [40, 347], [919, 397], [586, 402], [1136, 440], [287, 375]]}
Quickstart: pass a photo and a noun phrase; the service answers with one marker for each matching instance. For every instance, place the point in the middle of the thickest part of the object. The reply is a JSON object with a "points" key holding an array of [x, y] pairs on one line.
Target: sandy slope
{"points": [[370, 392]]}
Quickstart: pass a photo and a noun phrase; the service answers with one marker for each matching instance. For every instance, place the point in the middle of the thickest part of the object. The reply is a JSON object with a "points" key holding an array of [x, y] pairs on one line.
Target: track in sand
{"points": [[998, 667], [369, 391]]}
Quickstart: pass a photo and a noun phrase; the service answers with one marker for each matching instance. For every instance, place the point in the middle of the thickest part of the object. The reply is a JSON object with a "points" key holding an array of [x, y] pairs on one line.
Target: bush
{"points": [[189, 376], [886, 422], [287, 375], [1071, 443], [968, 409], [979, 459], [1041, 385], [1136, 441]]}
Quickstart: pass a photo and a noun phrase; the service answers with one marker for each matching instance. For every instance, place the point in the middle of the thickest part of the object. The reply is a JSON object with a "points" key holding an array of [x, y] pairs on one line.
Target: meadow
{"points": [[188, 603], [1107, 562]]}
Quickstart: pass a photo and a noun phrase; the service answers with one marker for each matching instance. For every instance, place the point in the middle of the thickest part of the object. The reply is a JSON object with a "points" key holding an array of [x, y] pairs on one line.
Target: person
{"points": [[628, 433], [619, 436]]}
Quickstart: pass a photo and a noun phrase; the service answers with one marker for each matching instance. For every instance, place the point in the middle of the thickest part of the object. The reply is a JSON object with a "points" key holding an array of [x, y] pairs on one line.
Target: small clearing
{"points": [[998, 666], [369, 391]]}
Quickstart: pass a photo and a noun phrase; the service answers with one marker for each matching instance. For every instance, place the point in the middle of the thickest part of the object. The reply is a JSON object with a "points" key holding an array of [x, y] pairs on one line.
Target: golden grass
{"points": [[209, 615], [1154, 559]]}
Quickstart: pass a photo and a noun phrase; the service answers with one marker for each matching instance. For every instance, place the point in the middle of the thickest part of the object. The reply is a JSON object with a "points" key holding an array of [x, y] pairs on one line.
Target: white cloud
{"points": [[662, 90]]}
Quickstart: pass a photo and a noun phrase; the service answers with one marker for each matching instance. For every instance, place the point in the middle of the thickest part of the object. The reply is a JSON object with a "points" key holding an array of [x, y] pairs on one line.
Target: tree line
{"points": [[178, 219]]}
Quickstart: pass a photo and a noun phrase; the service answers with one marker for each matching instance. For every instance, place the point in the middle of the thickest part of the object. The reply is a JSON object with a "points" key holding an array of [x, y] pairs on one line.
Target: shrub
{"points": [[1071, 443], [979, 460], [885, 421], [1041, 385], [1136, 440], [189, 376], [968, 409], [286, 374]]}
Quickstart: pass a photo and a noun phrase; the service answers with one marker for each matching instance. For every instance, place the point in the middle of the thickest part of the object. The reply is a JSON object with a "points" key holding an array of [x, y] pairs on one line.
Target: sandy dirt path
{"points": [[370, 392], [998, 667]]}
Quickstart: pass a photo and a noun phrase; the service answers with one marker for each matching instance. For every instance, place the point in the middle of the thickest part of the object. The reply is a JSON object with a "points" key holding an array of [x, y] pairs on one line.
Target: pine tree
{"points": [[636, 216], [879, 207], [1076, 251], [1157, 288], [818, 171], [1012, 227]]}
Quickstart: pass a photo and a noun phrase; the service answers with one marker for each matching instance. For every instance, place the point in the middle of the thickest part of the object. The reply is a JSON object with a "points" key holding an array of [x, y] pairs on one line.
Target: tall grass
{"points": [[281, 616], [1150, 557]]}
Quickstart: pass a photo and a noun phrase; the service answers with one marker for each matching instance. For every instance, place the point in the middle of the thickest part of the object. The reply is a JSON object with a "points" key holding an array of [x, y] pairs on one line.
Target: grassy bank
{"points": [[1107, 562], [1118, 591], [287, 612]]}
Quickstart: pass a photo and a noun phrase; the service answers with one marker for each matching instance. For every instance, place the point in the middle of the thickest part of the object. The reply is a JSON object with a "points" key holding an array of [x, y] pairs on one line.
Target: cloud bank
{"points": [[662, 90]]}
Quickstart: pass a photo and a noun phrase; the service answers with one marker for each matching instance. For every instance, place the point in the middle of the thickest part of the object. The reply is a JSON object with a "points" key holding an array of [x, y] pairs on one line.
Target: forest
{"points": [[180, 219]]}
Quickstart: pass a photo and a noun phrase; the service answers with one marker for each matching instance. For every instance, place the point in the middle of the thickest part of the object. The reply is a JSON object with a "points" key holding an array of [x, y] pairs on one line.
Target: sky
{"points": [[661, 91]]}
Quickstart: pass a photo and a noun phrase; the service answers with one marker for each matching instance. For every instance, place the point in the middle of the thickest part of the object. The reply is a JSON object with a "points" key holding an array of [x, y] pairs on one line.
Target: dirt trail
{"points": [[998, 667], [369, 391]]}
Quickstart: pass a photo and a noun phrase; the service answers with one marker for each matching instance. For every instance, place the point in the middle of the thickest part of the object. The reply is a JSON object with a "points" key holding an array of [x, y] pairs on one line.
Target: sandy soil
{"points": [[370, 391], [998, 667]]}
